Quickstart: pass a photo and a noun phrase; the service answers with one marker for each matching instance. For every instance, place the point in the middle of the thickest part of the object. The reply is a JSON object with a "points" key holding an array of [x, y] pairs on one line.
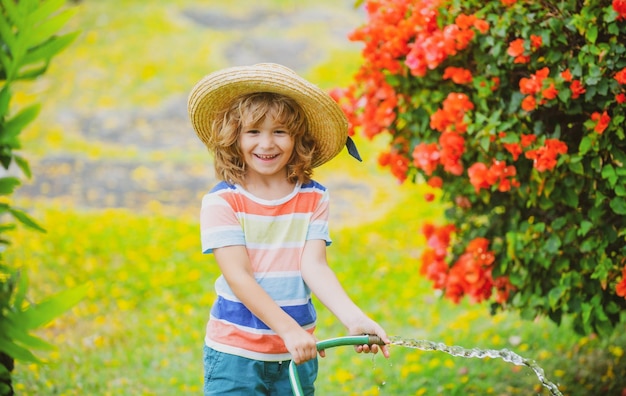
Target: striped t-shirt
{"points": [[274, 233]]}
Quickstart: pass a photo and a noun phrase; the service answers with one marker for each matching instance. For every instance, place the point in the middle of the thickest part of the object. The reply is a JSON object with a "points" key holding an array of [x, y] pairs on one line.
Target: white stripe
{"points": [[271, 219]]}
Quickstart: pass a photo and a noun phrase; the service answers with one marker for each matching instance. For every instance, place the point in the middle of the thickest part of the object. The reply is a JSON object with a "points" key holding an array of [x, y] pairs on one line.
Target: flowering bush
{"points": [[515, 111]]}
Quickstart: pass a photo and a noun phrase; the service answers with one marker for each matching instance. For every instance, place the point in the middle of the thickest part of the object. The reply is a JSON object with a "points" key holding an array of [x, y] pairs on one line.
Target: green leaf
{"points": [[8, 185], [44, 10], [577, 167], [40, 314], [44, 30], [585, 226], [618, 204], [608, 172], [555, 295], [15, 125], [26, 219], [46, 51], [6, 34], [553, 244], [5, 98], [585, 145], [485, 141], [592, 33], [570, 197], [23, 165], [17, 352], [21, 337]]}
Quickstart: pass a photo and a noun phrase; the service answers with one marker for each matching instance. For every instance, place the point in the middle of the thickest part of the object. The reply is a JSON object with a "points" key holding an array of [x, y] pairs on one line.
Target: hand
{"points": [[301, 345], [365, 325]]}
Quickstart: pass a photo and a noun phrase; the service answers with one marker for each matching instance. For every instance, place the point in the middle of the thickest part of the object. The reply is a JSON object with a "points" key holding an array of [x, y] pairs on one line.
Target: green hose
{"points": [[330, 343]]}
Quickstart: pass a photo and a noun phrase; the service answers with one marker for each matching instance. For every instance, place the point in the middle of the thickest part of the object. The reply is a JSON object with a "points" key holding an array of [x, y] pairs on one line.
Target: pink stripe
{"points": [[261, 343]]}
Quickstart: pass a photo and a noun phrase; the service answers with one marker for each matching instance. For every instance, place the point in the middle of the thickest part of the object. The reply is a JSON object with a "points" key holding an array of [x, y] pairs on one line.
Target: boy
{"points": [[266, 223]]}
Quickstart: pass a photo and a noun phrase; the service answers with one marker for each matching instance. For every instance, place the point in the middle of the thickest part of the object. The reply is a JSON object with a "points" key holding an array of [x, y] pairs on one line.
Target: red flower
{"points": [[620, 288], [482, 177], [434, 268], [508, 2], [602, 121], [450, 116], [435, 182], [503, 289], [527, 140], [620, 98], [566, 75], [438, 238], [479, 176], [516, 48], [471, 274], [452, 148], [426, 157], [495, 83], [620, 7], [398, 163], [577, 89], [529, 86], [544, 158], [514, 148], [535, 41], [481, 25], [550, 92], [458, 75], [620, 76], [529, 103]]}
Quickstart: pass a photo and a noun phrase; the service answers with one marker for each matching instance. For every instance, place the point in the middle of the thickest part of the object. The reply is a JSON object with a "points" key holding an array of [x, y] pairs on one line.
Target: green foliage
{"points": [[28, 41], [516, 110], [19, 318]]}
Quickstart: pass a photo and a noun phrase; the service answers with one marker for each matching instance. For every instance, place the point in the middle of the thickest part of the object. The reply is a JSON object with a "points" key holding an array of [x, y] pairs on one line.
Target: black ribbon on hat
{"points": [[352, 149]]}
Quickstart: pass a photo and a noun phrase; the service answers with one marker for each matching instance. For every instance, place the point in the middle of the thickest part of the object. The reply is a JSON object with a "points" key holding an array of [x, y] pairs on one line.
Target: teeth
{"points": [[266, 156]]}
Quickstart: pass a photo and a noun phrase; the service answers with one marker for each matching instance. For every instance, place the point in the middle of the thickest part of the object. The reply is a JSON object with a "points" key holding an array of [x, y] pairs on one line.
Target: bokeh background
{"points": [[118, 175]]}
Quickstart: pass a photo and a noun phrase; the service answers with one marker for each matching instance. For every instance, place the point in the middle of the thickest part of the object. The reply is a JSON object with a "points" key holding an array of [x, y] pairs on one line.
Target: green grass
{"points": [[140, 329]]}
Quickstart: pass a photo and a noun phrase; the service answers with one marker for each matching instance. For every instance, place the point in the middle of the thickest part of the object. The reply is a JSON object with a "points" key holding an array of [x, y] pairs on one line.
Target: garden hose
{"points": [[330, 343]]}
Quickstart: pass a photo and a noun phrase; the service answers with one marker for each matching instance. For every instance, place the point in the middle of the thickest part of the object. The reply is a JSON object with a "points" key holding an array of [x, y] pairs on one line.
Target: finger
{"points": [[385, 350]]}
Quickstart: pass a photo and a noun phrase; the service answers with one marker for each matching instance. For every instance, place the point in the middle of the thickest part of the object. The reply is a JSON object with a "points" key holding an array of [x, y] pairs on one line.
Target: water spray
{"points": [[424, 345]]}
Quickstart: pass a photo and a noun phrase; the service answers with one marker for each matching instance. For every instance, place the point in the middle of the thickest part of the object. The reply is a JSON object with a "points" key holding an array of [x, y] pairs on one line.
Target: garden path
{"points": [[155, 176]]}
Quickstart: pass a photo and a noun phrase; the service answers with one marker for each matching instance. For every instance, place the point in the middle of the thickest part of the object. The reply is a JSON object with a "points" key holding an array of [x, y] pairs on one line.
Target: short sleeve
{"points": [[318, 227], [219, 225]]}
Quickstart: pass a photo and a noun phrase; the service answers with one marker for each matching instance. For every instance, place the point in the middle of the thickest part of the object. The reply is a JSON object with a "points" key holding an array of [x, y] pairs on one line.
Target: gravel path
{"points": [[160, 134]]}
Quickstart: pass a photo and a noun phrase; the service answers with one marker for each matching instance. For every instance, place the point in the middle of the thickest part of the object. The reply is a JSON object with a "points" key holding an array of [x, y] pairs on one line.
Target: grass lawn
{"points": [[140, 329]]}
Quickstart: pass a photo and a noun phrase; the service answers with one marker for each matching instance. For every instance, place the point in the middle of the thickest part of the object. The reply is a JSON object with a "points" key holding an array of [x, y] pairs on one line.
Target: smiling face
{"points": [[267, 147]]}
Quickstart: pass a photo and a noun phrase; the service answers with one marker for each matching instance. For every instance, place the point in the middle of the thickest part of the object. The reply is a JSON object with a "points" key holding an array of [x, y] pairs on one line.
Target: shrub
{"points": [[514, 111], [28, 42]]}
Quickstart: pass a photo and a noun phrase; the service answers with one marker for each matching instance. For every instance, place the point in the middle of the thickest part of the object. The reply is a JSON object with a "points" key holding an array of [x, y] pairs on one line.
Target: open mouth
{"points": [[266, 157]]}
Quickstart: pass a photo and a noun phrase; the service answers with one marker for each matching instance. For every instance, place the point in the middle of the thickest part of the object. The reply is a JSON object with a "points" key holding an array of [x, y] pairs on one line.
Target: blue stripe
{"points": [[238, 314], [222, 186], [285, 288], [314, 185]]}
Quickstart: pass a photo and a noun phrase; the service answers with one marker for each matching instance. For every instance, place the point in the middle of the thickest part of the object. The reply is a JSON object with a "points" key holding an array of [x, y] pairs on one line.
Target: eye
{"points": [[252, 131], [281, 132]]}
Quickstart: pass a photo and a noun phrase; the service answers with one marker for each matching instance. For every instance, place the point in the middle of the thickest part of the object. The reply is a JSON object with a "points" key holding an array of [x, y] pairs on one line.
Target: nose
{"points": [[267, 140]]}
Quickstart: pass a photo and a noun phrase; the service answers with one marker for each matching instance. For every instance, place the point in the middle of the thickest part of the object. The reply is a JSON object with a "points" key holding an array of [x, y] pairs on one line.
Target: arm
{"points": [[235, 266], [324, 284]]}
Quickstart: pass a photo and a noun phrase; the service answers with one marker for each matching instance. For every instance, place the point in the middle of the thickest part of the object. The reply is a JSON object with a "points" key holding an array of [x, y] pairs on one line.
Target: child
{"points": [[266, 224]]}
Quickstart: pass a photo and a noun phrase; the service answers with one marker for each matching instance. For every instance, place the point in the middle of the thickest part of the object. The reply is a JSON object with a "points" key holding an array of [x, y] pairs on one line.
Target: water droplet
{"points": [[504, 354]]}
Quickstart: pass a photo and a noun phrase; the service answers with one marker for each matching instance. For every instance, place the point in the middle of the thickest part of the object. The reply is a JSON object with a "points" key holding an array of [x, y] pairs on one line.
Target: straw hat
{"points": [[325, 120]]}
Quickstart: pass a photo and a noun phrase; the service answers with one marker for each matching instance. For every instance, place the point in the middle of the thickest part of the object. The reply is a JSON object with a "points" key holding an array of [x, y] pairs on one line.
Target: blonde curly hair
{"points": [[252, 109]]}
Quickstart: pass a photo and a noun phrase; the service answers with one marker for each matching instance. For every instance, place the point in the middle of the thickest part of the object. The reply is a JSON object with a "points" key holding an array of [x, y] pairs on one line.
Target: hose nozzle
{"points": [[375, 340]]}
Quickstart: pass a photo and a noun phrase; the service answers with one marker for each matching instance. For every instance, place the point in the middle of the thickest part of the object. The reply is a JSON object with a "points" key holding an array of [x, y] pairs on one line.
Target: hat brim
{"points": [[326, 122]]}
